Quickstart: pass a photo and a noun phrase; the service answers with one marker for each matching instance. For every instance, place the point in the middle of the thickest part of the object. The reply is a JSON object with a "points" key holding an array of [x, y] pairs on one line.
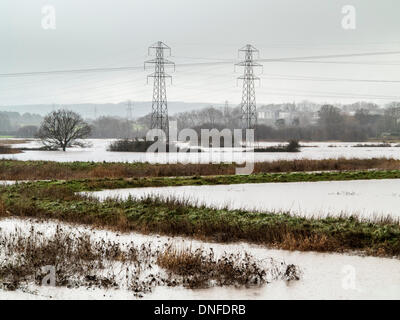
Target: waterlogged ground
{"points": [[366, 198], [98, 152], [323, 276], [6, 182]]}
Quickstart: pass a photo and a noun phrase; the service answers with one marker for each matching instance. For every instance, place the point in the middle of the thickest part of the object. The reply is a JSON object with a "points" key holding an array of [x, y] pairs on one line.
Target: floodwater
{"points": [[366, 198], [6, 182], [323, 276], [97, 152]]}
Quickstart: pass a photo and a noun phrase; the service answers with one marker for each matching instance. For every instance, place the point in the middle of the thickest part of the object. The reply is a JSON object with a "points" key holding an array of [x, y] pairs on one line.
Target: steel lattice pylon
{"points": [[159, 114], [248, 104]]}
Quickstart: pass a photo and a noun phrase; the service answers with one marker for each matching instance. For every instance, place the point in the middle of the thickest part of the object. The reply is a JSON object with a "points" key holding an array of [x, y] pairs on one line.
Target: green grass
{"points": [[58, 200], [100, 184]]}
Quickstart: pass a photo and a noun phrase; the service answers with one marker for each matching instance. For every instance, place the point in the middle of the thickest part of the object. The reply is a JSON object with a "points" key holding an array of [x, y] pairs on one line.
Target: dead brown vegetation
{"points": [[198, 268], [13, 141], [38, 170], [4, 149], [313, 242], [80, 261]]}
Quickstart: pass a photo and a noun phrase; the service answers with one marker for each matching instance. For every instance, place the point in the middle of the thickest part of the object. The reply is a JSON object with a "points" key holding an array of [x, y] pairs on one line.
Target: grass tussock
{"points": [[77, 259], [41, 170], [199, 268], [313, 242]]}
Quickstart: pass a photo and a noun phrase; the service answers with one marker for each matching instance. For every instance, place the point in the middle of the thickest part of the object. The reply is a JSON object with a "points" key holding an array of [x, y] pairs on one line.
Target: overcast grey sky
{"points": [[114, 33]]}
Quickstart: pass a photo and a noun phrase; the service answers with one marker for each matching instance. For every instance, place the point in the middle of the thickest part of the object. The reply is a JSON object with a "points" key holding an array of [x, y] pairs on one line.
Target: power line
{"points": [[220, 62], [310, 78], [368, 63], [192, 67], [307, 78]]}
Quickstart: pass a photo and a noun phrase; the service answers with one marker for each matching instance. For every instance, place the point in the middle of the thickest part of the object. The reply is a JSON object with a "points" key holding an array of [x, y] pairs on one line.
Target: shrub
{"points": [[127, 145], [292, 146]]}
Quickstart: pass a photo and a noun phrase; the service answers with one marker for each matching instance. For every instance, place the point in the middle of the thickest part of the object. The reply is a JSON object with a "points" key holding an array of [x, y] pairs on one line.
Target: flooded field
{"points": [[98, 152], [323, 276], [366, 198]]}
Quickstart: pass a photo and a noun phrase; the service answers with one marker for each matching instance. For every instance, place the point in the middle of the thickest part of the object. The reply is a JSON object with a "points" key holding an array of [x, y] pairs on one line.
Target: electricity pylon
{"points": [[248, 104], [159, 114], [129, 110], [226, 109]]}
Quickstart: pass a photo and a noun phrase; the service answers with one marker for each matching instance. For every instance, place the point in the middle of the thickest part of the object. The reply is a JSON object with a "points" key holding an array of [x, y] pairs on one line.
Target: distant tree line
{"points": [[15, 124], [355, 122], [332, 124]]}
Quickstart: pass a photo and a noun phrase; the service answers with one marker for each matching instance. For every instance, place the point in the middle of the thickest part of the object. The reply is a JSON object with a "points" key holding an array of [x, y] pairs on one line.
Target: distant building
{"points": [[279, 115]]}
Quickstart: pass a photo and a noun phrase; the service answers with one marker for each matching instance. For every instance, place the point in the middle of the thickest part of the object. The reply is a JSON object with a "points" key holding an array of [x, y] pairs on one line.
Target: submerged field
{"points": [[83, 260], [368, 199], [320, 274], [162, 216], [64, 199], [96, 151]]}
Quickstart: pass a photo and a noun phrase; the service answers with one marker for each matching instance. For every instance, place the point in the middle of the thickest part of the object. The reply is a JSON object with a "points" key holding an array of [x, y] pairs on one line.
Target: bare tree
{"points": [[62, 129]]}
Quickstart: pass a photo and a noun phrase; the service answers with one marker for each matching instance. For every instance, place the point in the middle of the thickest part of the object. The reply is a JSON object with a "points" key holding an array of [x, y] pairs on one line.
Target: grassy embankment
{"points": [[58, 200], [106, 183], [36, 170]]}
